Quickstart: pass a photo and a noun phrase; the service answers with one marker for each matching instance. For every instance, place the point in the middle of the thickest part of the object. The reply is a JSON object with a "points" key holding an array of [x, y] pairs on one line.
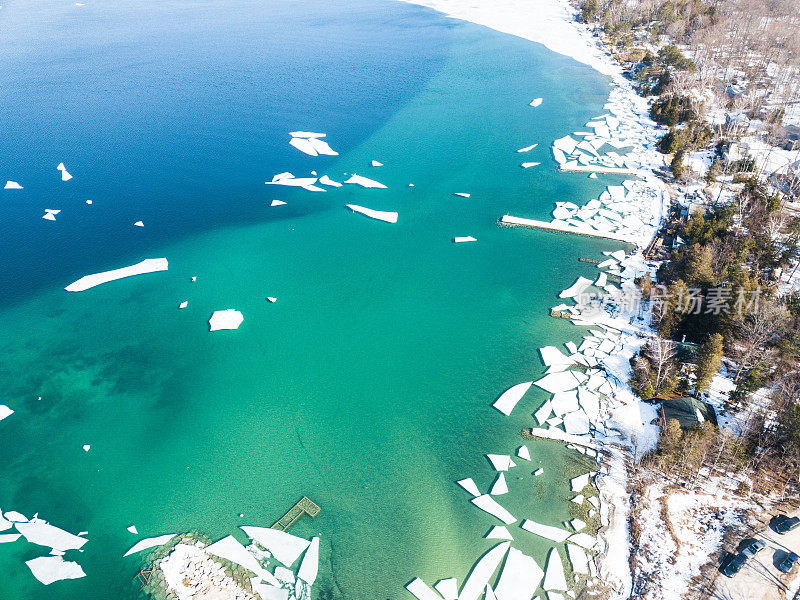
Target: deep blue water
{"points": [[175, 113]]}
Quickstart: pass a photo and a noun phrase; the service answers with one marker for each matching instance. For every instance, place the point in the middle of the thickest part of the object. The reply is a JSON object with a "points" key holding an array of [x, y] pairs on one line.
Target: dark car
{"points": [[751, 547], [783, 524], [732, 564], [788, 562]]}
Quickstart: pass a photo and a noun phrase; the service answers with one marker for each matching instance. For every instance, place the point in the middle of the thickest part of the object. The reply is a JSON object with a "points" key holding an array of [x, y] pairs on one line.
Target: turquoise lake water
{"points": [[368, 385]]}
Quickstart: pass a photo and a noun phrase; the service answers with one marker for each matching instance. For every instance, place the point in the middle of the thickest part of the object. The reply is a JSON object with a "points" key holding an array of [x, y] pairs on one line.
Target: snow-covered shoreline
{"points": [[547, 22], [552, 23]]}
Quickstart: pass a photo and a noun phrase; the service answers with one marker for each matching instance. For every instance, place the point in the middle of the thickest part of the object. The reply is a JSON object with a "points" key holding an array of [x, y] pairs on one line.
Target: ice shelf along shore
{"points": [[149, 265]]}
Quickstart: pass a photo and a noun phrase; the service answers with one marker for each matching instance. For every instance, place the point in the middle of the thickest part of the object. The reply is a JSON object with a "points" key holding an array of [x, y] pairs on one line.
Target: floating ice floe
{"points": [[576, 423], [536, 102], [15, 517], [584, 540], [564, 402], [469, 485], [364, 182], [519, 578], [88, 202], [5, 412], [577, 524], [461, 240], [375, 163], [272, 299], [528, 165], [287, 179], [5, 523], [578, 483], [325, 180], [149, 265], [462, 194], [139, 224], [488, 504], [421, 591], [277, 203], [553, 356], [268, 592], [183, 304], [524, 453], [50, 214], [578, 559], [538, 472], [65, 176], [7, 538], [500, 462], [87, 447], [482, 572], [311, 144], [544, 412], [48, 569], [555, 534], [285, 547], [554, 578], [576, 289], [12, 185], [132, 529], [225, 319], [306, 134], [527, 148], [592, 175], [230, 549], [509, 399], [448, 588], [380, 215], [149, 543], [498, 532], [558, 382], [309, 566], [499, 487]]}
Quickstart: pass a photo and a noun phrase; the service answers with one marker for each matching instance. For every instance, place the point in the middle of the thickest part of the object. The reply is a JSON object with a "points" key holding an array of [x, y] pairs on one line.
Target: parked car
{"points": [[788, 562], [751, 547], [783, 524], [732, 564]]}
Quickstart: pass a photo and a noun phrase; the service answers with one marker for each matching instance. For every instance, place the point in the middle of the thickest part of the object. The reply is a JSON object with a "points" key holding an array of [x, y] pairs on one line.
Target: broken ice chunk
{"points": [[364, 182], [380, 215], [149, 543], [48, 569], [469, 485], [490, 505], [225, 319], [509, 399]]}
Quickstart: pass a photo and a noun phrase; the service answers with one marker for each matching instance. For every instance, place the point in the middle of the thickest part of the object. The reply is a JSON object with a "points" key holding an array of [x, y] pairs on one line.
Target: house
{"points": [[689, 412]]}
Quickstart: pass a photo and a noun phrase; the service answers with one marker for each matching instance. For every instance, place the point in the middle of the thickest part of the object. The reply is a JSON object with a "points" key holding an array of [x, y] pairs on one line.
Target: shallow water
{"points": [[368, 385]]}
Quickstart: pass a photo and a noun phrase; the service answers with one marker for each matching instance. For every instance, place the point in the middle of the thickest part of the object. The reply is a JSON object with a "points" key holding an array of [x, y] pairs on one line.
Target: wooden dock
{"points": [[554, 226], [304, 506], [599, 169]]}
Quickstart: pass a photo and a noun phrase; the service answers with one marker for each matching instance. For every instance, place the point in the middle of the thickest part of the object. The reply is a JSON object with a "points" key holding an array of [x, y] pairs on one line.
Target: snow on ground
{"points": [[548, 22], [666, 562]]}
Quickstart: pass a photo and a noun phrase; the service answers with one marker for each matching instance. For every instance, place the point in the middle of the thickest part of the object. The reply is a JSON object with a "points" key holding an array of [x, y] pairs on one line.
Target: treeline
{"points": [[719, 293]]}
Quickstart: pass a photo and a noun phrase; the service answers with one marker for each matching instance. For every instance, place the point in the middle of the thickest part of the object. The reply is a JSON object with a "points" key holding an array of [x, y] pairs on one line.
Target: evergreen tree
{"points": [[709, 361]]}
